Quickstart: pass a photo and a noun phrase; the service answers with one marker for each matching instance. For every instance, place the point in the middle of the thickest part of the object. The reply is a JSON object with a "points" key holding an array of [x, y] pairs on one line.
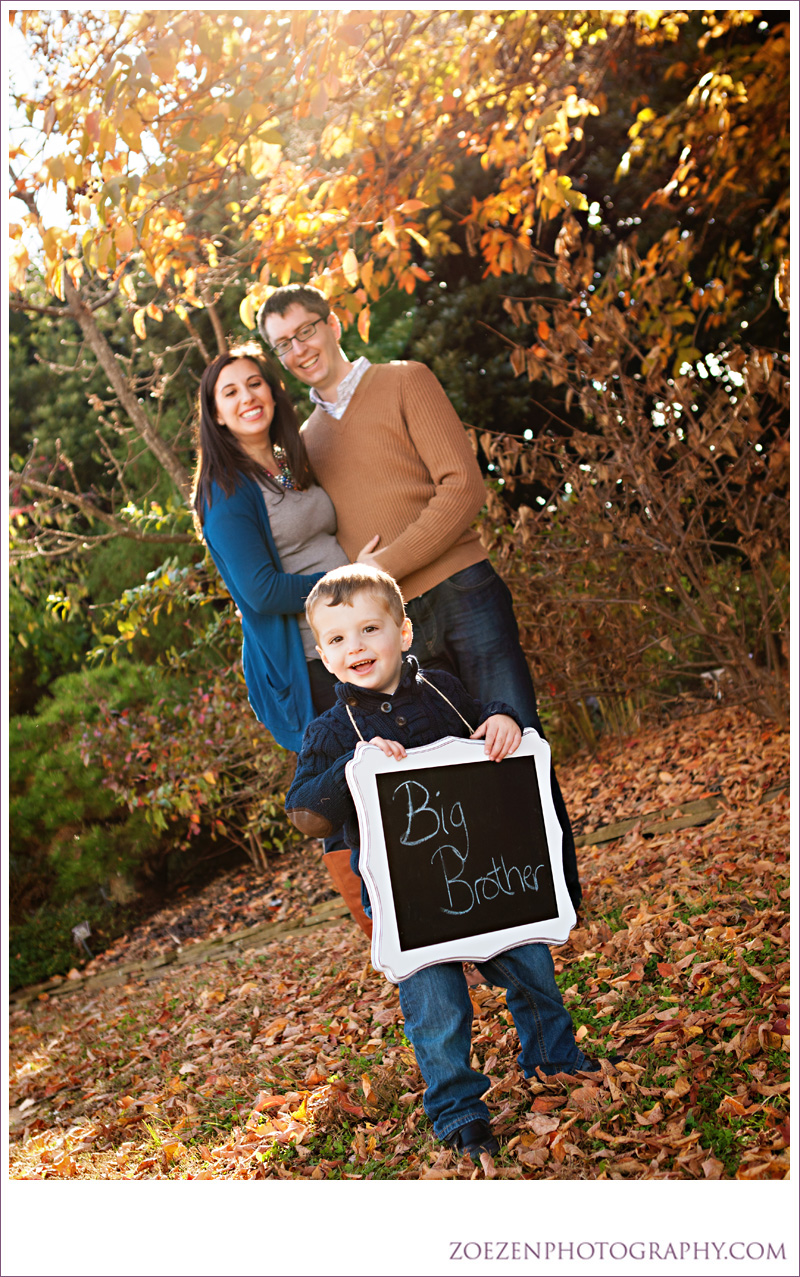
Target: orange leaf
{"points": [[653, 1115], [124, 239], [730, 1105], [266, 1101], [355, 1109], [319, 100]]}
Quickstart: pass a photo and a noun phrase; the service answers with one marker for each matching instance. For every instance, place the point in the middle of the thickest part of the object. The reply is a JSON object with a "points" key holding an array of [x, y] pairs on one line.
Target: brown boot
{"points": [[348, 884]]}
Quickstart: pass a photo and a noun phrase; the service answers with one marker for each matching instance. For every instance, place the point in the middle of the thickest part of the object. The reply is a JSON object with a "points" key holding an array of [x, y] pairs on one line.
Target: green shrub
{"points": [[42, 945], [68, 834], [41, 646]]}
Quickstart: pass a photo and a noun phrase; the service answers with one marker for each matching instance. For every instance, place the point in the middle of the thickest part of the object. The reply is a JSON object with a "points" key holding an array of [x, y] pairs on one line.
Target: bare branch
{"points": [[91, 511]]}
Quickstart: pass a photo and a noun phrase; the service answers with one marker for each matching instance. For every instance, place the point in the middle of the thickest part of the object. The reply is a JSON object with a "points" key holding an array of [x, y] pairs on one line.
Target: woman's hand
{"points": [[502, 736], [391, 748], [366, 556]]}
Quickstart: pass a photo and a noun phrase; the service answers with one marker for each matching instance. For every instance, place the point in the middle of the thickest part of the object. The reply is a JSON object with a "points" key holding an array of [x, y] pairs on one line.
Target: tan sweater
{"points": [[399, 463]]}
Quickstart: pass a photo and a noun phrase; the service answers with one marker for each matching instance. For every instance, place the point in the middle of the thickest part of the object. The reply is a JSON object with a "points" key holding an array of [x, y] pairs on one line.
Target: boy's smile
{"points": [[361, 642]]}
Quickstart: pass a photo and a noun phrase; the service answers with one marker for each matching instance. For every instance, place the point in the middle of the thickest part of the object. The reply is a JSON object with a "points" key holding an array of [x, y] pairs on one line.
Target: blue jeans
{"points": [[467, 625], [438, 1015]]}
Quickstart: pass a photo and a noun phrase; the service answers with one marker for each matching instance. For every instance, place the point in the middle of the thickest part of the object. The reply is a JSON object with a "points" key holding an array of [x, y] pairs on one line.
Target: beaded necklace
{"points": [[284, 475]]}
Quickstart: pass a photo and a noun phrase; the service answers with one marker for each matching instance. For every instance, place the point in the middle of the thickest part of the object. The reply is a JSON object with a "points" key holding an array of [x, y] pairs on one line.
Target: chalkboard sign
{"points": [[461, 856]]}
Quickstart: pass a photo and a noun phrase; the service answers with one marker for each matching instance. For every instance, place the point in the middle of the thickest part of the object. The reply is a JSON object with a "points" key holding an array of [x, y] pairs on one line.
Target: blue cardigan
{"points": [[239, 537]]}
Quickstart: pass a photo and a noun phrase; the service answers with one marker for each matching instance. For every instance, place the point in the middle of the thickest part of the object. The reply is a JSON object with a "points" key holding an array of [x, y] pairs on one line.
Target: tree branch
{"points": [[108, 362], [118, 526]]}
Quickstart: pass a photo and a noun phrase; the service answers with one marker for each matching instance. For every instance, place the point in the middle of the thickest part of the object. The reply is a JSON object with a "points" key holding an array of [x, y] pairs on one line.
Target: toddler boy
{"points": [[358, 619]]}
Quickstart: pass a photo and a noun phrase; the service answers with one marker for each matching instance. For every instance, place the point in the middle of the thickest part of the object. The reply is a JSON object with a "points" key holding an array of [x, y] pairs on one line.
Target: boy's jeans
{"points": [[467, 625], [438, 1015]]}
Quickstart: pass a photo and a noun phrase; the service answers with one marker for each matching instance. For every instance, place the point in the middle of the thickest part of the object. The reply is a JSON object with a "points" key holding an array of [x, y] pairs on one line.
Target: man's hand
{"points": [[391, 748], [366, 556], [502, 736]]}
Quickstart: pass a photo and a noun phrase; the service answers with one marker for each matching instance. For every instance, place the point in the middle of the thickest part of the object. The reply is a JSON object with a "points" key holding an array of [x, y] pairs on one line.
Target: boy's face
{"points": [[361, 642]]}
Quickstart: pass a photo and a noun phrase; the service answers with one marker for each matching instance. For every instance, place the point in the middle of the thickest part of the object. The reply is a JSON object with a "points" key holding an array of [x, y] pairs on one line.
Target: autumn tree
{"points": [[199, 151]]}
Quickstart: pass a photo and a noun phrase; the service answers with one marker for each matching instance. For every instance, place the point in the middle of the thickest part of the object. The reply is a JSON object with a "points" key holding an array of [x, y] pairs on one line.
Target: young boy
{"points": [[362, 632]]}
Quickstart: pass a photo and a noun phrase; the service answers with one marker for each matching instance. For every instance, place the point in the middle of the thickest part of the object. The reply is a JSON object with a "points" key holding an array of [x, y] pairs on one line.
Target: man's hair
{"points": [[341, 585], [292, 295]]}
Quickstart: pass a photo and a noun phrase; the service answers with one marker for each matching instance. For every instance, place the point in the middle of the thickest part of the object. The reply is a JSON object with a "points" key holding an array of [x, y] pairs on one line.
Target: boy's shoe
{"points": [[473, 976], [595, 1066], [474, 1138]]}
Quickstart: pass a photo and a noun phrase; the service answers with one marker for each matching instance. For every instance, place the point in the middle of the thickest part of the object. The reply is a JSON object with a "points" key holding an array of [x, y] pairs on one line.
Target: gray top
{"points": [[303, 526]]}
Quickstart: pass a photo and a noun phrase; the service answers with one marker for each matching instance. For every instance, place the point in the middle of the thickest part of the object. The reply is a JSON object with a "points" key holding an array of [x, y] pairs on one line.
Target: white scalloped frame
{"points": [[397, 964]]}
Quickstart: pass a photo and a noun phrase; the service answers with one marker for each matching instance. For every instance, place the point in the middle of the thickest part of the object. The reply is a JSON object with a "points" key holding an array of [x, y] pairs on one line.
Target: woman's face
{"points": [[245, 404]]}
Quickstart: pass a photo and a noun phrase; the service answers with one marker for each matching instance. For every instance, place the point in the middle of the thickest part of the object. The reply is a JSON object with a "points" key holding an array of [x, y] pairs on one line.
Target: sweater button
{"points": [[401, 722], [386, 707], [351, 700]]}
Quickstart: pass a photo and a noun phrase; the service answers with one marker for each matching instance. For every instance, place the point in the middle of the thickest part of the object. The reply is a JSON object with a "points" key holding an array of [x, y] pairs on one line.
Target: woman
{"points": [[270, 530]]}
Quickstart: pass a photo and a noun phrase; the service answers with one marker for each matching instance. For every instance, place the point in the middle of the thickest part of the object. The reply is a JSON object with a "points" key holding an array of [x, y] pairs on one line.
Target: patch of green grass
{"points": [[277, 1154], [749, 986]]}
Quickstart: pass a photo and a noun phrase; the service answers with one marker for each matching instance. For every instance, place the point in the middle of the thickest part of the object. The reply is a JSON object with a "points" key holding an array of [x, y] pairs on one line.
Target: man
{"points": [[390, 451]]}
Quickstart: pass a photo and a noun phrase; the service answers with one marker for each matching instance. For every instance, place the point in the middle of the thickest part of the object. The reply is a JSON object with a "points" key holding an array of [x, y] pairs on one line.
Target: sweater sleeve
{"points": [[236, 541], [441, 441], [319, 800]]}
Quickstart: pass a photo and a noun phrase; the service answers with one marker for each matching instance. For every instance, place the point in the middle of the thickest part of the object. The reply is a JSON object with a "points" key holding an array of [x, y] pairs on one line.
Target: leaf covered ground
{"points": [[289, 1061]]}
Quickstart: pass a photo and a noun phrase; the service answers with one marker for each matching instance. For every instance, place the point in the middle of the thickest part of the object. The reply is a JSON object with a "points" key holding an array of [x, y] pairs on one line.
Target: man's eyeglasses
{"points": [[283, 346]]}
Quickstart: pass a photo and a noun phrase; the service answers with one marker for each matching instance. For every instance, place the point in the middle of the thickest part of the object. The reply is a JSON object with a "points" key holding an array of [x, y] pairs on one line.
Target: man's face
{"points": [[361, 642], [317, 360]]}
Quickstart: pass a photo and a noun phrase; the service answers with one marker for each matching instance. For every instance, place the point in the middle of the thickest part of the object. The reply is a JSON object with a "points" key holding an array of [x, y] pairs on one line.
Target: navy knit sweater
{"points": [[319, 801]]}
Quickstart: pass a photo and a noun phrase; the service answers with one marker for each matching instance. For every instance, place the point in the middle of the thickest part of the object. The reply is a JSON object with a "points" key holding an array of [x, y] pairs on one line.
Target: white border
{"points": [[362, 771]]}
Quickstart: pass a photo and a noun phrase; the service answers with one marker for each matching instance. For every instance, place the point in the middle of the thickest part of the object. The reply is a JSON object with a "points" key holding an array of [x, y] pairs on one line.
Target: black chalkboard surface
{"points": [[467, 850], [461, 856]]}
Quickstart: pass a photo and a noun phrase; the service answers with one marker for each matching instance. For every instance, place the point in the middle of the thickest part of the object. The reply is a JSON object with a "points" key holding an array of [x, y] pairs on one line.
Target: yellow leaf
{"points": [[363, 325], [300, 1114], [139, 325], [421, 240], [210, 778], [247, 311], [350, 267]]}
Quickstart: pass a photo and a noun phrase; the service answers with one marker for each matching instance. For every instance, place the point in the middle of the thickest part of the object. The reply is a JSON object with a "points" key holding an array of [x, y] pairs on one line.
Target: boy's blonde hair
{"points": [[341, 585]]}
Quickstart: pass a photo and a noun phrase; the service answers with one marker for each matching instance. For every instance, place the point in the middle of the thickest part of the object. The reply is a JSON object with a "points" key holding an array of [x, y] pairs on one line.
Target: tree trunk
{"points": [[128, 401]]}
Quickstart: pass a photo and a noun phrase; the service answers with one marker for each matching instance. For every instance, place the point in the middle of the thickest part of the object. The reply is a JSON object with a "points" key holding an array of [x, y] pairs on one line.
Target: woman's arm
{"points": [[247, 563]]}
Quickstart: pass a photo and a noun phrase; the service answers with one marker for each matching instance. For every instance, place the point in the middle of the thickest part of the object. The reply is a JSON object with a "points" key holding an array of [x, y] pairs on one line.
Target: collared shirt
{"points": [[347, 388]]}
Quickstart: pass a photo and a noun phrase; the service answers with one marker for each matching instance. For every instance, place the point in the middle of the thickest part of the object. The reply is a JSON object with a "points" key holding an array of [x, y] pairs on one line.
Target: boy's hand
{"points": [[502, 736], [392, 748]]}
